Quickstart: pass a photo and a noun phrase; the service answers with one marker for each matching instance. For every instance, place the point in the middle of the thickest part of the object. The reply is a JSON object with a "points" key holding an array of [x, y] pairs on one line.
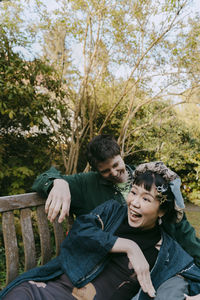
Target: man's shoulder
{"points": [[92, 175]]}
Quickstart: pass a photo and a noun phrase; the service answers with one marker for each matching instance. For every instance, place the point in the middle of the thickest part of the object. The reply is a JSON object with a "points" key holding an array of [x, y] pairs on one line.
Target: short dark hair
{"points": [[101, 148], [147, 179]]}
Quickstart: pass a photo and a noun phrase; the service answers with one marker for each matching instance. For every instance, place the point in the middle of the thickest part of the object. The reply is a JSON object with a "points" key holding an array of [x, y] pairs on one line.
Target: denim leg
{"points": [[172, 289]]}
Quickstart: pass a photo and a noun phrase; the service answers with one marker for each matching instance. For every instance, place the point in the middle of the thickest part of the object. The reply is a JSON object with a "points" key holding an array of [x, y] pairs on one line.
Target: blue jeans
{"points": [[172, 289]]}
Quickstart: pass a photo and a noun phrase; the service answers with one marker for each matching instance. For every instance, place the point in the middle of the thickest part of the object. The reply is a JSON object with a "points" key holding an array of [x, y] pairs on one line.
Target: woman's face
{"points": [[143, 207]]}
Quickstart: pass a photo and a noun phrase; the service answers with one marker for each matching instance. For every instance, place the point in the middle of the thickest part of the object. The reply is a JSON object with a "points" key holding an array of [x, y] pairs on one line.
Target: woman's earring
{"points": [[159, 220]]}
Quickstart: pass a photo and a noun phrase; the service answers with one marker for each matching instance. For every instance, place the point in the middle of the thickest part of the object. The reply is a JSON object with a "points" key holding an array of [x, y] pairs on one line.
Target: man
{"points": [[112, 179]]}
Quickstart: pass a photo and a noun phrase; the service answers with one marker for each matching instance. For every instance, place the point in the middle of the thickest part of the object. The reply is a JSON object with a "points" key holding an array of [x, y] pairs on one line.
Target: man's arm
{"points": [[54, 185], [44, 182], [59, 200], [185, 235]]}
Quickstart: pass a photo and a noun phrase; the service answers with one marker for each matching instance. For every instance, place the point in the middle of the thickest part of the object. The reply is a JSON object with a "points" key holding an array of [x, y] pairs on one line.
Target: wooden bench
{"points": [[25, 204]]}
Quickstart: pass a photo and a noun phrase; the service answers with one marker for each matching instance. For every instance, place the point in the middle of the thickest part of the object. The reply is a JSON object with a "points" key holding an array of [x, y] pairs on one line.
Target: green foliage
{"points": [[178, 146], [22, 158], [27, 143], [132, 57]]}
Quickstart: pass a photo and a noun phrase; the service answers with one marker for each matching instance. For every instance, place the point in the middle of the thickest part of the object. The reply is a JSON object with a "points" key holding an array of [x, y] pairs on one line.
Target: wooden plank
{"points": [[28, 238], [70, 221], [20, 201], [59, 234], [45, 240], [11, 248]]}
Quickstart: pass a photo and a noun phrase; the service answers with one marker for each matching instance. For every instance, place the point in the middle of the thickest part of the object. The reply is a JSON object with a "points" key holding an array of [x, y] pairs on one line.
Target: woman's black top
{"points": [[118, 278]]}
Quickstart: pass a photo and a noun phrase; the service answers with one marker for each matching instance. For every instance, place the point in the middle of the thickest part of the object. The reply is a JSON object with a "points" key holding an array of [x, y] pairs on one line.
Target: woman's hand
{"points": [[138, 262], [59, 199], [141, 268], [39, 284], [197, 297]]}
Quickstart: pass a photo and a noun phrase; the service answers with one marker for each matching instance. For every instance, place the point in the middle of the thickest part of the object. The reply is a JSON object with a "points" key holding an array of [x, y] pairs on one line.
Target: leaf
{"points": [[11, 114]]}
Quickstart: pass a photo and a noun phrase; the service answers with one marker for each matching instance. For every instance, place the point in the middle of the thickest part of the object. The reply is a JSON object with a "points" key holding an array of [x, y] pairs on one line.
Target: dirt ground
{"points": [[191, 207]]}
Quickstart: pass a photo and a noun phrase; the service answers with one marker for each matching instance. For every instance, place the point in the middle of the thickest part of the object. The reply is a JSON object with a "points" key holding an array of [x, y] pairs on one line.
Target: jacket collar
{"points": [[172, 259]]}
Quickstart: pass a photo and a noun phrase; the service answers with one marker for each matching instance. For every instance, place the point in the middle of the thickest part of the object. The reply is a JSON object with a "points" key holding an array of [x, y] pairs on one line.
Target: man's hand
{"points": [[138, 262], [59, 200]]}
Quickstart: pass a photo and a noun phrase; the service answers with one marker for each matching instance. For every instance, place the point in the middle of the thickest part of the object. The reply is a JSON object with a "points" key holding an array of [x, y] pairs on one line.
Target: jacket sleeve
{"points": [[44, 182], [86, 245], [185, 235]]}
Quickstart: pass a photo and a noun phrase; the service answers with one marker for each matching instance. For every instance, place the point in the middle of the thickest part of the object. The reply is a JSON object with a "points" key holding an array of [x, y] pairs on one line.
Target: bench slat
{"points": [[20, 201], [25, 204], [59, 234], [45, 240], [11, 248], [28, 238], [70, 220]]}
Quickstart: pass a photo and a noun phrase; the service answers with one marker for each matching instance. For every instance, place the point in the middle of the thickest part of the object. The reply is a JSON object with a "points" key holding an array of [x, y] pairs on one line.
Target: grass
{"points": [[194, 219]]}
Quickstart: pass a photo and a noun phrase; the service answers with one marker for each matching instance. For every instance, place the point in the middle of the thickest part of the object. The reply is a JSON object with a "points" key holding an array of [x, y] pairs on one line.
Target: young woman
{"points": [[116, 252]]}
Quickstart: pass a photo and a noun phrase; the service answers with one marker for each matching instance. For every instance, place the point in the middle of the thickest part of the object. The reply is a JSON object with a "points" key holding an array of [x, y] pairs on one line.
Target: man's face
{"points": [[113, 169]]}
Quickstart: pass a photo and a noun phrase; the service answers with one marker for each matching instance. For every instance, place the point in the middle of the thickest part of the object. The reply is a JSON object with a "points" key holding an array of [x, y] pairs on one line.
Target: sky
{"points": [[77, 57], [52, 5]]}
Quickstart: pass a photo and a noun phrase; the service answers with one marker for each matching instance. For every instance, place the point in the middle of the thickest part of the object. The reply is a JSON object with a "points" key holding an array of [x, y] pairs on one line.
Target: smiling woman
{"points": [[117, 251], [143, 207], [150, 198]]}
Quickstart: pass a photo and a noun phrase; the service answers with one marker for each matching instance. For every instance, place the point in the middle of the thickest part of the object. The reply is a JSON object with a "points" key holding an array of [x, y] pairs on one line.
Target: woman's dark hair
{"points": [[166, 197], [101, 148]]}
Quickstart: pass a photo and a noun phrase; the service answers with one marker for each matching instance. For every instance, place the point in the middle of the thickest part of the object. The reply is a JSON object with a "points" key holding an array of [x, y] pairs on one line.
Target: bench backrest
{"points": [[26, 203]]}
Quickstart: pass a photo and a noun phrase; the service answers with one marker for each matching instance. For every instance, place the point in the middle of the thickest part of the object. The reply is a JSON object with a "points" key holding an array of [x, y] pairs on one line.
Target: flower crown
{"points": [[160, 168], [162, 189], [173, 180]]}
